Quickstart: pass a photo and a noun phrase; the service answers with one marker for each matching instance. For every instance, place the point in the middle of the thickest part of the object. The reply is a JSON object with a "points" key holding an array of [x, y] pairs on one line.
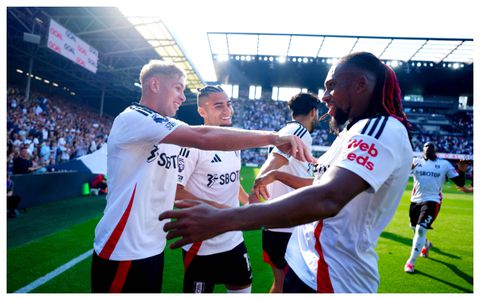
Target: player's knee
{"points": [[421, 229]]}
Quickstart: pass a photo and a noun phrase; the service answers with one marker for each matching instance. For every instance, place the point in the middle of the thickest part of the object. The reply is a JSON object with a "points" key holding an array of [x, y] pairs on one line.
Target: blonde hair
{"points": [[160, 67]]}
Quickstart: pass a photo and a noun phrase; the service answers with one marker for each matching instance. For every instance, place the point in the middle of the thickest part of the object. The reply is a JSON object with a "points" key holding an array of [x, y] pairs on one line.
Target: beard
{"points": [[338, 120]]}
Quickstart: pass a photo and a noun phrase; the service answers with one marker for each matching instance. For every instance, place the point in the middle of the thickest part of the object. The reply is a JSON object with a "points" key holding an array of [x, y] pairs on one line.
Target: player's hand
{"points": [[253, 198], [293, 145], [260, 185], [465, 189], [194, 221]]}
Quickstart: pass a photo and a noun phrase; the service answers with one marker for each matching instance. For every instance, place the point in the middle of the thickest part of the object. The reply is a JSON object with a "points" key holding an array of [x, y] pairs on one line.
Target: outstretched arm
{"points": [[460, 179], [242, 195], [273, 162], [183, 194], [198, 221], [296, 182], [269, 173], [229, 139]]}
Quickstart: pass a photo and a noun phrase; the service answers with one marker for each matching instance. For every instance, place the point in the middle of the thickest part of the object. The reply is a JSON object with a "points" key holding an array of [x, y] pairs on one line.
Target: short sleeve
{"points": [[292, 128], [138, 124], [451, 171], [369, 158], [187, 161]]}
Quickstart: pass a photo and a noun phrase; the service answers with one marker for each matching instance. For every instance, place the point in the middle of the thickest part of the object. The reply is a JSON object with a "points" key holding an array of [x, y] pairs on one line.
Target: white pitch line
{"points": [[54, 273]]}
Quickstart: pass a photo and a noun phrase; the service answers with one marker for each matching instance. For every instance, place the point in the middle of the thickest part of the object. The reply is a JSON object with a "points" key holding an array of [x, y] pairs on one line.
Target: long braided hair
{"points": [[386, 98]]}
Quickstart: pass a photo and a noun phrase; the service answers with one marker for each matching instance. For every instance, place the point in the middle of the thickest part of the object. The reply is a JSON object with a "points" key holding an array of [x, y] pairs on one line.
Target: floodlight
{"points": [[222, 57]]}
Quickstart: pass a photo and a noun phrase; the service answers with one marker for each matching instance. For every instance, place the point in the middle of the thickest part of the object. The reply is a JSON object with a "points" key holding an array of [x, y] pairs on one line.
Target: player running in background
{"points": [[214, 177], [142, 164], [429, 175], [355, 193], [304, 110]]}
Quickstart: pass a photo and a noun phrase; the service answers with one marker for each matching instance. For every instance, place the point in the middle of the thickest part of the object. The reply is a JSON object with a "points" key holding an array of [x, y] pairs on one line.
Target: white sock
{"points": [[418, 241], [426, 242], [246, 290]]}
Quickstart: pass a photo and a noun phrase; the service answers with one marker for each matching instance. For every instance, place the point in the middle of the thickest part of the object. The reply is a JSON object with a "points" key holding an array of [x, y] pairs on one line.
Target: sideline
{"points": [[54, 273]]}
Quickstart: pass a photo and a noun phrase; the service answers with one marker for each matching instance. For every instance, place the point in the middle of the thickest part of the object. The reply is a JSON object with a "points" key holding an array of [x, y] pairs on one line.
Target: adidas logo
{"points": [[216, 158]]}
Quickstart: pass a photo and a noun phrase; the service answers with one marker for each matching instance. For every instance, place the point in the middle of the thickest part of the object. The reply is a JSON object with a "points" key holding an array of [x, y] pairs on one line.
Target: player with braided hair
{"points": [[358, 184]]}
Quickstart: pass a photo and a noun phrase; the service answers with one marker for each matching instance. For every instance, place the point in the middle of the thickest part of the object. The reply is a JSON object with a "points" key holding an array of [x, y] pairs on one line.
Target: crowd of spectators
{"points": [[460, 139], [269, 115], [272, 115], [52, 130], [47, 130]]}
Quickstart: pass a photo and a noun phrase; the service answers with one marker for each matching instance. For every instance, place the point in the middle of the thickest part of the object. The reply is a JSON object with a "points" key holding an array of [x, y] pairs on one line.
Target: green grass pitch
{"points": [[48, 236]]}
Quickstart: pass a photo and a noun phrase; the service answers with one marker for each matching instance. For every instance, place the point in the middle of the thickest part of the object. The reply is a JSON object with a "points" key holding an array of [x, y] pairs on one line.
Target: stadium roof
{"points": [[190, 32], [225, 44], [122, 45], [190, 21]]}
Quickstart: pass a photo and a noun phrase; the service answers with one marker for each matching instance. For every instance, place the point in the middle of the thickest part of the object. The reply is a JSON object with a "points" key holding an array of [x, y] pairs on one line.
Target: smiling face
{"points": [[168, 93], [348, 91], [337, 96], [216, 109]]}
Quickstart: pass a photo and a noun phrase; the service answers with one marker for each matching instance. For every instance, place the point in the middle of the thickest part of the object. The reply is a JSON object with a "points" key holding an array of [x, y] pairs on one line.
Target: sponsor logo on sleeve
{"points": [[363, 157], [181, 164], [170, 125]]}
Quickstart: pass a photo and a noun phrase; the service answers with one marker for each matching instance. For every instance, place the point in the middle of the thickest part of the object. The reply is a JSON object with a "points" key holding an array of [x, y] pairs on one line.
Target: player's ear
{"points": [[201, 111], [313, 113], [361, 84], [154, 84]]}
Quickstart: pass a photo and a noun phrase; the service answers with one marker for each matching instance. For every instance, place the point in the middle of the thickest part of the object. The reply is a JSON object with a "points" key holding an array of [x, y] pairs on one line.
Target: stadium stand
{"points": [[452, 133], [53, 135], [53, 129]]}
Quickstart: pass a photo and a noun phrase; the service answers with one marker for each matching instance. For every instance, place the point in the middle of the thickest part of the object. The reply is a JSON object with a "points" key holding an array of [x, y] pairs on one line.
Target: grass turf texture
{"points": [[48, 236]]}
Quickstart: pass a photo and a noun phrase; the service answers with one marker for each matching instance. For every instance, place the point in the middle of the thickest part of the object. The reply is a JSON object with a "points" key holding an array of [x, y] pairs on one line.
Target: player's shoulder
{"points": [[419, 159], [186, 152], [380, 127], [294, 128], [444, 162], [142, 113]]}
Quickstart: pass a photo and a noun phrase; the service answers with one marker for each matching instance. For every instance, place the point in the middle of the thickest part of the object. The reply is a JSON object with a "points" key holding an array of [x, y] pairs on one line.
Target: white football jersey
{"points": [[215, 176], [294, 166], [428, 178], [337, 254], [142, 175]]}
